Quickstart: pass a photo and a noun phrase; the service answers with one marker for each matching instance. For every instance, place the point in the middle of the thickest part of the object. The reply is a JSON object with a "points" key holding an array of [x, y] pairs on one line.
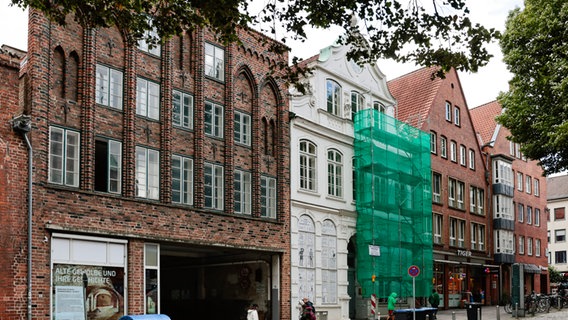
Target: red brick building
{"points": [[13, 189], [520, 209], [161, 176], [461, 214]]}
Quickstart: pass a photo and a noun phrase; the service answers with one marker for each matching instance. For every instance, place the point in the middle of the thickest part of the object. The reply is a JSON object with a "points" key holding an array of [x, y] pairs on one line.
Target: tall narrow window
{"points": [[214, 188], [334, 173], [457, 119], [443, 147], [267, 197], [64, 156], [461, 195], [520, 212], [329, 262], [436, 187], [333, 97], [307, 165], [448, 111], [461, 233], [530, 246], [453, 232], [529, 215], [357, 103], [182, 112], [147, 98], [305, 258], [471, 159], [214, 62], [213, 120], [152, 278], [108, 87], [242, 186], [537, 217], [452, 192], [521, 245], [433, 141], [453, 151], [242, 128], [528, 184], [520, 181], [536, 187], [462, 155], [147, 173], [108, 165], [182, 180], [437, 227], [537, 247]]}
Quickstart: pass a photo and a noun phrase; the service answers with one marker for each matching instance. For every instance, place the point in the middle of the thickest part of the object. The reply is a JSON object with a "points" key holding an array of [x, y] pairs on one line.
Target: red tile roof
{"points": [[483, 118], [415, 93]]}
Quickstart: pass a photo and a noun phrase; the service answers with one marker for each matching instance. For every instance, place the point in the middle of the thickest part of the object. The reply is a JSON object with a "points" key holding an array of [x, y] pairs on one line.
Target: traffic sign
{"points": [[413, 271]]}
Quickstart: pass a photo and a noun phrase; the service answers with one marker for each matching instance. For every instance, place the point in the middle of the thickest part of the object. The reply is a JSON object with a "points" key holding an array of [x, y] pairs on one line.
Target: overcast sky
{"points": [[479, 88]]}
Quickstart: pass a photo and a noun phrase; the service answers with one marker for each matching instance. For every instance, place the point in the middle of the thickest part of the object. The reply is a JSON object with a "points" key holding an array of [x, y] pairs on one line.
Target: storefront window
{"points": [[151, 266]]}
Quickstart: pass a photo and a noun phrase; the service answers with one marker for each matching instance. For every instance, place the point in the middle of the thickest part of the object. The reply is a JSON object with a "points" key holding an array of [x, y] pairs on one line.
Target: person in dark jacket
{"points": [[434, 300]]}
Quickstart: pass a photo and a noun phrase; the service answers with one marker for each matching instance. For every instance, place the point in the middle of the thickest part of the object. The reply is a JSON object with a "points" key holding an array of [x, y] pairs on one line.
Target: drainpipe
{"points": [[23, 124]]}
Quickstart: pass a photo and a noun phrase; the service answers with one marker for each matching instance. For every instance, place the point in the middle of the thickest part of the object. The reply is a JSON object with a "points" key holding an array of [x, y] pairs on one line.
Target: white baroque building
{"points": [[323, 211]]}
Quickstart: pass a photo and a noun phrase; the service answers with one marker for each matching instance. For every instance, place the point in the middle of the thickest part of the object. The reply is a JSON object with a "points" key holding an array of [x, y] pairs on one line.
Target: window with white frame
{"points": [[433, 141], [333, 90], [147, 173], [536, 189], [520, 181], [471, 159], [436, 187], [504, 241], [151, 278], [537, 247], [329, 262], [242, 186], [518, 151], [528, 184], [453, 151], [529, 215], [537, 217], [213, 122], [503, 173], [448, 111], [148, 46], [242, 128], [108, 165], [357, 103], [108, 87], [443, 147], [147, 98], [437, 227], [521, 245], [452, 192], [334, 173], [453, 232], [64, 148], [305, 258], [503, 207], [214, 188], [308, 157], [182, 180], [477, 200], [520, 212], [182, 111], [457, 116], [474, 235], [379, 107], [461, 233], [511, 148], [481, 238], [530, 246], [461, 195], [267, 197], [463, 155], [214, 62]]}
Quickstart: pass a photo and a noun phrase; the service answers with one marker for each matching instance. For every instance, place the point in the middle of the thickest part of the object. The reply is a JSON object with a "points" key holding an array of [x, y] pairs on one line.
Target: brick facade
{"points": [[61, 67]]}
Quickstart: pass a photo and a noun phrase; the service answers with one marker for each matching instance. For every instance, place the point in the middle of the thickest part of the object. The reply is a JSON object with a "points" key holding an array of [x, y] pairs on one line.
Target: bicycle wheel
{"points": [[543, 304]]}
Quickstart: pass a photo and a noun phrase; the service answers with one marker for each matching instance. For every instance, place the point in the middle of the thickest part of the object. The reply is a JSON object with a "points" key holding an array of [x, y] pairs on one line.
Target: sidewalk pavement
{"points": [[490, 313]]}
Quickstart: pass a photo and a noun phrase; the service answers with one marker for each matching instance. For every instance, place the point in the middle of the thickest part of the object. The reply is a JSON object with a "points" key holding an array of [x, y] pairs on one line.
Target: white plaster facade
{"points": [[557, 203], [311, 202]]}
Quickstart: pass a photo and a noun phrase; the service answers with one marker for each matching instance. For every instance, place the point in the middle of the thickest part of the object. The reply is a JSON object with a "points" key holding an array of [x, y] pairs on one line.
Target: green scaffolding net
{"points": [[394, 206]]}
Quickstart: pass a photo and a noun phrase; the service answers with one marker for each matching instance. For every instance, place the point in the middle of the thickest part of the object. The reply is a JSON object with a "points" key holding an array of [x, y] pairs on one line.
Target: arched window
{"points": [[333, 91], [306, 257], [329, 262], [308, 157], [334, 173]]}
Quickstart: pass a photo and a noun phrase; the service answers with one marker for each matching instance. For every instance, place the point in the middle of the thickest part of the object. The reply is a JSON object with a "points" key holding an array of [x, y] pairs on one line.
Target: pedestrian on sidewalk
{"points": [[434, 300]]}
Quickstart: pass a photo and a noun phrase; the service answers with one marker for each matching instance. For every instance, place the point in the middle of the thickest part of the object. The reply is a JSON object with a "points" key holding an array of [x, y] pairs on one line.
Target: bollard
{"points": [[517, 310], [453, 315], [427, 317], [478, 313], [498, 313]]}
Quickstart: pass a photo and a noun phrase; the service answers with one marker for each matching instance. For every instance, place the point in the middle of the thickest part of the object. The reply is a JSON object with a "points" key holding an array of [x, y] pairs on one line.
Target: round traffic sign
{"points": [[413, 271]]}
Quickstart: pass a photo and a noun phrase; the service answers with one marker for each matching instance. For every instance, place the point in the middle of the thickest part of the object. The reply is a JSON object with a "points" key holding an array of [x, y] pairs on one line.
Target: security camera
{"points": [[22, 123]]}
